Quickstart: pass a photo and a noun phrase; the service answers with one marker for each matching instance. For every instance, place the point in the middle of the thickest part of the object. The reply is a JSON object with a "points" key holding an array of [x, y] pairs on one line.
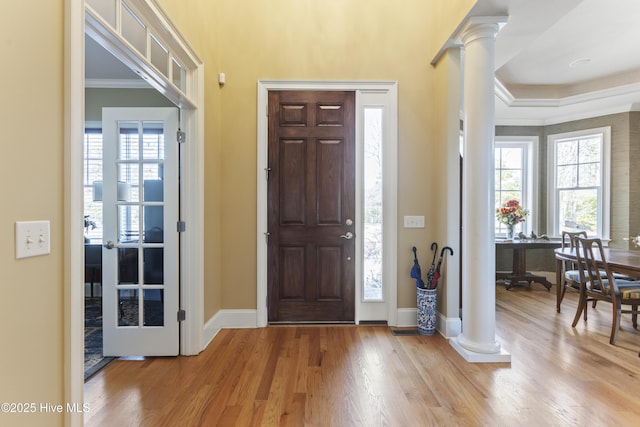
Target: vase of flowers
{"points": [[511, 214]]}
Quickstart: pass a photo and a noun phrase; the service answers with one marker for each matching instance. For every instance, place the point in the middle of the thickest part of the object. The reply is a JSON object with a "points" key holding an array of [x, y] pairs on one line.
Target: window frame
{"points": [[603, 229], [529, 201]]}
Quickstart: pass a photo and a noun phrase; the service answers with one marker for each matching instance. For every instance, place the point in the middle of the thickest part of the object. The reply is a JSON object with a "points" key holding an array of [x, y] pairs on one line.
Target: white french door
{"points": [[140, 241]]}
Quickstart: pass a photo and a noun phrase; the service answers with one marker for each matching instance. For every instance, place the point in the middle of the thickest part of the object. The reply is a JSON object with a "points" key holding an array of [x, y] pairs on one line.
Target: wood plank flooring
{"points": [[365, 376]]}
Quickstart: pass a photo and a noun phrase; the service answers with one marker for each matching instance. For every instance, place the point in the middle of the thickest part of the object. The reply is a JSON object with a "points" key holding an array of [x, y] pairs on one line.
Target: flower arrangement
{"points": [[511, 213]]}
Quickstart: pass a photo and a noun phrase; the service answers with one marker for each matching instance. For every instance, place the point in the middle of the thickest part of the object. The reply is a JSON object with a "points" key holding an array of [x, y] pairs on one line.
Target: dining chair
{"points": [[570, 277], [597, 283]]}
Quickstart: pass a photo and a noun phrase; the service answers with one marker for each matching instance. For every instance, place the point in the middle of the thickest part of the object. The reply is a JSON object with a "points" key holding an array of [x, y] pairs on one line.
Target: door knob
{"points": [[347, 236], [109, 245]]}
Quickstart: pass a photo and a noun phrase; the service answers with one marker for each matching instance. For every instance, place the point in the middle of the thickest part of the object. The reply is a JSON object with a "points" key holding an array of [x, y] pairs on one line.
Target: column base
{"points": [[474, 357]]}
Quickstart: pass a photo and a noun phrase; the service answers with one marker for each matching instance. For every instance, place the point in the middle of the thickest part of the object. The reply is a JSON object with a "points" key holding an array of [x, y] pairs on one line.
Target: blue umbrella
{"points": [[416, 272]]}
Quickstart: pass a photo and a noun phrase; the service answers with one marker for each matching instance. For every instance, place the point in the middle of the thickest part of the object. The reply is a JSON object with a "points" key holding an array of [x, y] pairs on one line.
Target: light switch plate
{"points": [[414, 221], [32, 238]]}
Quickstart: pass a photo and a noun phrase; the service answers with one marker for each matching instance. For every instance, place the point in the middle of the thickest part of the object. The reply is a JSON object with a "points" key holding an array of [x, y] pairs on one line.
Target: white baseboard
{"points": [[227, 319], [448, 327]]}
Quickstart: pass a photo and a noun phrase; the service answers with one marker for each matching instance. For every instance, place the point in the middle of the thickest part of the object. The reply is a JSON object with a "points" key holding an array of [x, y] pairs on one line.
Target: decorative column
{"points": [[477, 342]]}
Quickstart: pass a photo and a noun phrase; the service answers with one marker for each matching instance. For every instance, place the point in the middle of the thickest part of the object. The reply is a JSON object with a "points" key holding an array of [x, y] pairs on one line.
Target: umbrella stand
{"points": [[427, 298]]}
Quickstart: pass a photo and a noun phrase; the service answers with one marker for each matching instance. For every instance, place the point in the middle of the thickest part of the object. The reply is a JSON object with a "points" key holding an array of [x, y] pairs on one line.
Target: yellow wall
{"points": [[308, 40], [328, 40], [198, 21], [31, 170], [248, 40]]}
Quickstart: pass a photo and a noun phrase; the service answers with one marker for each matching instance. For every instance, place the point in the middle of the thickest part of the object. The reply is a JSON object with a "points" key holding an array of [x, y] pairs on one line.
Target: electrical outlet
{"points": [[414, 222], [32, 238]]}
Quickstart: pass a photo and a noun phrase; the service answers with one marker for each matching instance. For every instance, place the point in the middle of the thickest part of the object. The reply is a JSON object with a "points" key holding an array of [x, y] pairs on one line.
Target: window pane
{"points": [[578, 210], [152, 140], [372, 226], [159, 56], [511, 158], [134, 30], [92, 174], [589, 150], [510, 175], [128, 147], [511, 180], [153, 308], [567, 176], [178, 75], [567, 152], [128, 307], [106, 9], [589, 175]]}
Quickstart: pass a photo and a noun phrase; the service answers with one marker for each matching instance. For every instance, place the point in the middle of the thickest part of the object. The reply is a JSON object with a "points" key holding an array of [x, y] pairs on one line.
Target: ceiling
{"points": [[556, 61]]}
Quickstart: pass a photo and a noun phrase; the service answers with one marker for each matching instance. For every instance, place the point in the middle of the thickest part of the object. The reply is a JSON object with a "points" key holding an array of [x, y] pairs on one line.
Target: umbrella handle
{"points": [[445, 249], [415, 253], [434, 248]]}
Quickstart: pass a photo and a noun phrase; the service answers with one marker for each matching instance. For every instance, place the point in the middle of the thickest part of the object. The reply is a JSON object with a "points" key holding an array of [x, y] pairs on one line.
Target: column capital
{"points": [[480, 27]]}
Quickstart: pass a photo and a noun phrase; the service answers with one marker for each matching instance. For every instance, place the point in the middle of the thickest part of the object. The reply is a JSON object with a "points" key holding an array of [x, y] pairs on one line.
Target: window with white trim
{"points": [[92, 173], [579, 182], [515, 169]]}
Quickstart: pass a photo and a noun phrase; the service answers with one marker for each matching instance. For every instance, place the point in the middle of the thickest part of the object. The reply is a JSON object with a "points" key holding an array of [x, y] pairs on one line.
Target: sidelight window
{"points": [[372, 210]]}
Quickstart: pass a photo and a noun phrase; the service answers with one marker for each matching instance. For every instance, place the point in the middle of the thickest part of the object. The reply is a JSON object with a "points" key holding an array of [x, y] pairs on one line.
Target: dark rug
{"points": [[93, 359]]}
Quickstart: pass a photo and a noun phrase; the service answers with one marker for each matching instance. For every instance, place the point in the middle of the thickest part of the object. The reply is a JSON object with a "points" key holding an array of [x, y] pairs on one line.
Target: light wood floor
{"points": [[365, 376]]}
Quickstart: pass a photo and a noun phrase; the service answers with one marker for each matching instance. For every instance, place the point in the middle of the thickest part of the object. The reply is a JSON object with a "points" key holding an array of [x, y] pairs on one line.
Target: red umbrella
{"points": [[436, 275]]}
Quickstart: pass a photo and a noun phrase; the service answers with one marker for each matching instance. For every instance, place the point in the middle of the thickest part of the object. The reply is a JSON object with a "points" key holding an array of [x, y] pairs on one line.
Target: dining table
{"points": [[620, 261]]}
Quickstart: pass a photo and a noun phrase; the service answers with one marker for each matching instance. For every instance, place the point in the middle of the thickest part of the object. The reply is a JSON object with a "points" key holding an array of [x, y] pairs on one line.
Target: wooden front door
{"points": [[311, 206]]}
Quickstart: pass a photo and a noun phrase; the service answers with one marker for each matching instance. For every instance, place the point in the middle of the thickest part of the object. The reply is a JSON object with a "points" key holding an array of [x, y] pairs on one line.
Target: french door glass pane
{"points": [[153, 307], [127, 266], [128, 147], [153, 141], [153, 266], [128, 182], [128, 223], [372, 218], [128, 307]]}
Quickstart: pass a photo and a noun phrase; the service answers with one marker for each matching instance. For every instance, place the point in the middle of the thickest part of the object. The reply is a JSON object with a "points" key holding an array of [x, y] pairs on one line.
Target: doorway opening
{"points": [[189, 95]]}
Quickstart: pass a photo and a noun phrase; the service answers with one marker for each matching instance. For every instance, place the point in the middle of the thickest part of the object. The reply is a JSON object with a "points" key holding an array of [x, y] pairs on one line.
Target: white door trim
{"points": [[192, 209], [390, 171]]}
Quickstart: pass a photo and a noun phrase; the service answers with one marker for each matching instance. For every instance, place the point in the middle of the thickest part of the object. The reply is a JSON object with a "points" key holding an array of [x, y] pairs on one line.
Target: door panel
{"points": [[140, 254], [311, 206]]}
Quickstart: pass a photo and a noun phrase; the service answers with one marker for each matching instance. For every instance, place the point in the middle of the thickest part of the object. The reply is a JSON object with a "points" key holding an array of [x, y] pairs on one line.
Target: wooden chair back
{"points": [[594, 270]]}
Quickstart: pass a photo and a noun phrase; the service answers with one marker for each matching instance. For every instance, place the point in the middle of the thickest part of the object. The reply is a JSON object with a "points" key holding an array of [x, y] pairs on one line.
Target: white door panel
{"points": [[140, 247]]}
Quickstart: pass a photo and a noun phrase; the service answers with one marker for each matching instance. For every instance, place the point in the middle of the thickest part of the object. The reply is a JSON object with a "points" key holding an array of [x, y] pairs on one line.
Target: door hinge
{"points": [[180, 137], [182, 226], [267, 170], [182, 315], [266, 236]]}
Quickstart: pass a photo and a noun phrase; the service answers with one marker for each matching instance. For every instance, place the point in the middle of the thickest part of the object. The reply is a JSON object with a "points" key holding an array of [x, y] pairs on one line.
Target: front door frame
{"points": [[390, 172], [192, 206]]}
